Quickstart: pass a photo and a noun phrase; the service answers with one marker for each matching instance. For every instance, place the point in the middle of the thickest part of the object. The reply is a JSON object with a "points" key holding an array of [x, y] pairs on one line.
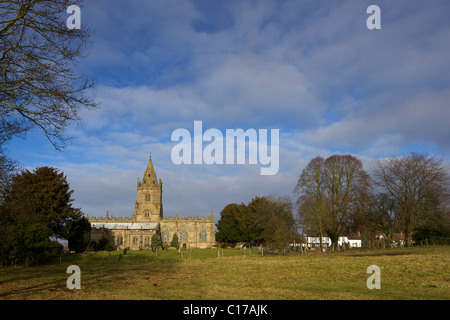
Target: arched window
{"points": [[183, 235], [119, 240], [147, 197], [202, 235], [165, 235], [146, 214], [135, 241]]}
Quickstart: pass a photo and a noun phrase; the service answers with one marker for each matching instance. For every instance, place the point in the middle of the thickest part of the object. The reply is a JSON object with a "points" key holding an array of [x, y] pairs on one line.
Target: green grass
{"points": [[408, 273]]}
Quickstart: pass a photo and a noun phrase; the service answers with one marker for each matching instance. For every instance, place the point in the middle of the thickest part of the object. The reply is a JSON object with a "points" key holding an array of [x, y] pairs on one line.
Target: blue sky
{"points": [[311, 69]]}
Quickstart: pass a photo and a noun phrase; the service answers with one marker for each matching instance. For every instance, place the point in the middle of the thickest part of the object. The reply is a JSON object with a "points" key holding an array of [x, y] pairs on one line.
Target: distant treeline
{"points": [[337, 197]]}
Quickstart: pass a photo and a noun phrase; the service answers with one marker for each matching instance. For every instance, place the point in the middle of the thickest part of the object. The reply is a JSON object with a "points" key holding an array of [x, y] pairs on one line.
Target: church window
{"points": [[147, 241], [146, 214], [202, 235], [183, 235], [165, 235], [135, 241], [147, 197], [119, 240]]}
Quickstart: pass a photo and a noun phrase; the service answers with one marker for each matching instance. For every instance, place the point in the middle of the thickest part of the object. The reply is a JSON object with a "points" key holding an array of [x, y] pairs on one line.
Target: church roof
{"points": [[124, 226]]}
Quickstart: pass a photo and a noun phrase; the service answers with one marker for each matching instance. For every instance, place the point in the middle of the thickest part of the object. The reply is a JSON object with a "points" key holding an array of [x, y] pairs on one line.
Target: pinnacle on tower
{"points": [[149, 174], [148, 206]]}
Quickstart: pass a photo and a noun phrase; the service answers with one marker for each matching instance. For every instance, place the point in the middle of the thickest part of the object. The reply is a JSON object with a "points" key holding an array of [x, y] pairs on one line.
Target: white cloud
{"points": [[308, 68]]}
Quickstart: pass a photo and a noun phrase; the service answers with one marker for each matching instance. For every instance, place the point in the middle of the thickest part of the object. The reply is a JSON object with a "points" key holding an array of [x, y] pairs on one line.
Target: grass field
{"points": [[406, 273]]}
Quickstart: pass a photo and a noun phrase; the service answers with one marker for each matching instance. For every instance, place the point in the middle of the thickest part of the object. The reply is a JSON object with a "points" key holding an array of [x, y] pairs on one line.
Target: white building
{"points": [[314, 242]]}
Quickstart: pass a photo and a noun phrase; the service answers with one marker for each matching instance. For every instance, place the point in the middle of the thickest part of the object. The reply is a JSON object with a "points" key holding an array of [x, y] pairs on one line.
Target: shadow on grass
{"points": [[33, 282], [385, 252]]}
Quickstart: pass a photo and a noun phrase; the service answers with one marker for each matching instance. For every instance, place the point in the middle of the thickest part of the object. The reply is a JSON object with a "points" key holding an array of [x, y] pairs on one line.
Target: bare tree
{"points": [[38, 85], [418, 186], [348, 189], [7, 168], [331, 191], [312, 211], [384, 216]]}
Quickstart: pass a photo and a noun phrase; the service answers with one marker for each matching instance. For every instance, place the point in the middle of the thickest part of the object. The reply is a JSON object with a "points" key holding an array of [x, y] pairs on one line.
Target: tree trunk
{"points": [[321, 240], [407, 237], [334, 240]]}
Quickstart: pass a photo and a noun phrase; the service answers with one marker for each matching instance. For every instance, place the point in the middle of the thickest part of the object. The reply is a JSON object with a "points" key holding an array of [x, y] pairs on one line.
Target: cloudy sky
{"points": [[311, 69]]}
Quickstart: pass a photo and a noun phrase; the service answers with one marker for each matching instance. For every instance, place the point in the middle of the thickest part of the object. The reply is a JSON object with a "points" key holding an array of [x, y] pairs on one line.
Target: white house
{"points": [[314, 242]]}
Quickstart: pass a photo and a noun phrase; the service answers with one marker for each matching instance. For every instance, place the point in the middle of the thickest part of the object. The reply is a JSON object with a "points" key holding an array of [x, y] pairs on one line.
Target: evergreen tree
{"points": [[104, 243], [79, 234], [156, 241], [274, 221], [229, 227], [29, 242], [44, 196], [264, 219], [36, 207], [174, 243]]}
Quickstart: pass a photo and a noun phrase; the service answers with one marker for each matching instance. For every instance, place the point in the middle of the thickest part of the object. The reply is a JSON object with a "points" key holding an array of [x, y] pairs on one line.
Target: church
{"points": [[135, 233]]}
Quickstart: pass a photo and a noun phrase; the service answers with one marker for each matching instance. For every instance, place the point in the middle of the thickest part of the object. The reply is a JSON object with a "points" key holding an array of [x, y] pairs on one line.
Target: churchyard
{"points": [[405, 273]]}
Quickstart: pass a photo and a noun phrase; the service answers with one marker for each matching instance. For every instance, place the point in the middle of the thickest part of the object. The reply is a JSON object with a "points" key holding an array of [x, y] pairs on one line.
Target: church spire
{"points": [[148, 207], [149, 174]]}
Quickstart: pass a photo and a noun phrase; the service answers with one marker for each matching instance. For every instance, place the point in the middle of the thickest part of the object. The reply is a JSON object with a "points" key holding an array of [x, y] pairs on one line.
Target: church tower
{"points": [[148, 207]]}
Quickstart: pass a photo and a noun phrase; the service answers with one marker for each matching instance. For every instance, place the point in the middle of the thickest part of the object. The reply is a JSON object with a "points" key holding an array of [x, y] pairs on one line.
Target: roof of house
{"points": [[398, 236]]}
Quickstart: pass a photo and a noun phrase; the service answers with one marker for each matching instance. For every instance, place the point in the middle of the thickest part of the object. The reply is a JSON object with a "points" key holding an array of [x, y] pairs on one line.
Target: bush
{"points": [[174, 243], [156, 240], [55, 248], [30, 243], [104, 243], [431, 234], [79, 235]]}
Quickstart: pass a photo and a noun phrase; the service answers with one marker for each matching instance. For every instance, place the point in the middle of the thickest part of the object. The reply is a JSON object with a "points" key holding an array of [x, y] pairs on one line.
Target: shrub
{"points": [[174, 242], [104, 243]]}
